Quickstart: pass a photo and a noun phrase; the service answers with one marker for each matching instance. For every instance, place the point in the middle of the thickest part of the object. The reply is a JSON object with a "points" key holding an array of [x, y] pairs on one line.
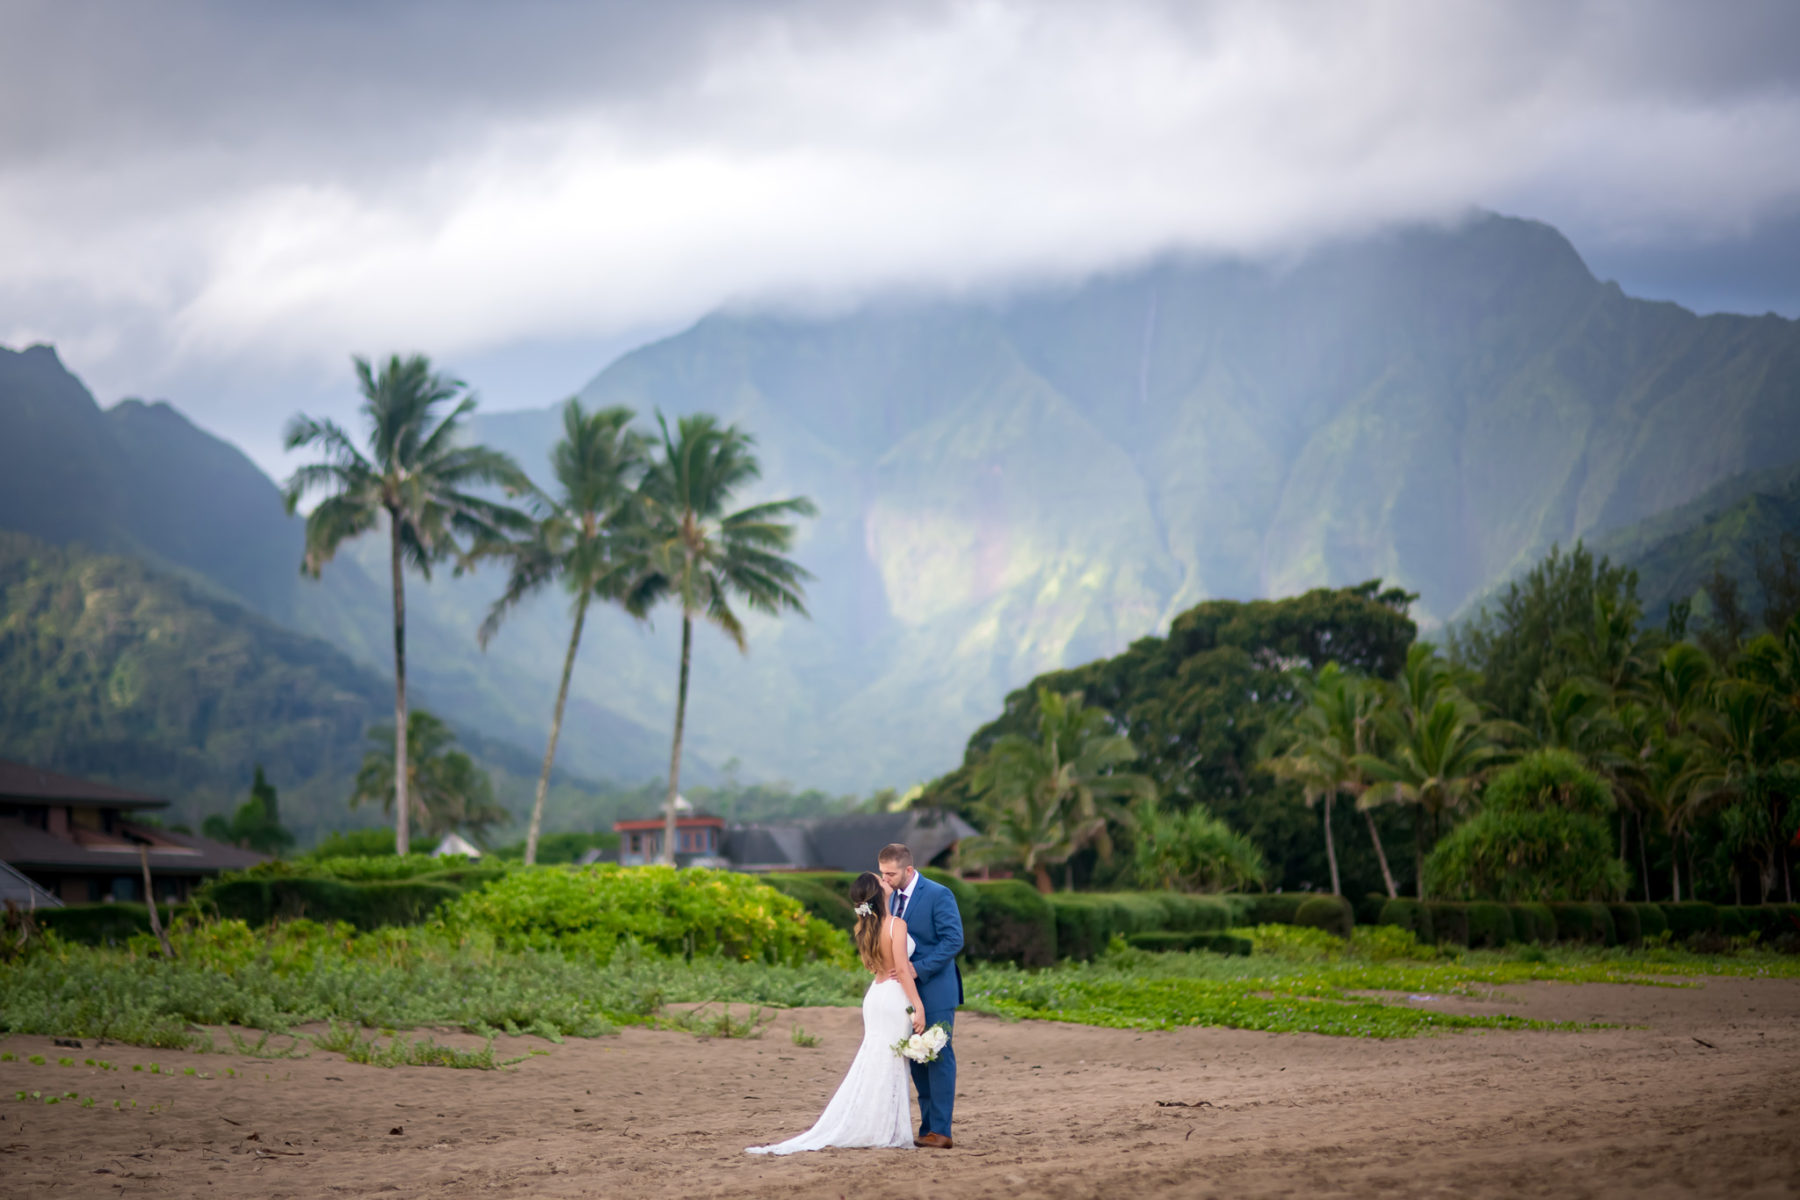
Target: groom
{"points": [[935, 924]]}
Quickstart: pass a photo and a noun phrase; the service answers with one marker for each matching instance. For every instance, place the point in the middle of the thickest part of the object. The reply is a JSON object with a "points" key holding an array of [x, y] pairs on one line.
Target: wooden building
{"points": [[79, 840]]}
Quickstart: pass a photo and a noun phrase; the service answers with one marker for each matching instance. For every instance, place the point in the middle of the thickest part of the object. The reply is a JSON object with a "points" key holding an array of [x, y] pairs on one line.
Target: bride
{"points": [[871, 1107]]}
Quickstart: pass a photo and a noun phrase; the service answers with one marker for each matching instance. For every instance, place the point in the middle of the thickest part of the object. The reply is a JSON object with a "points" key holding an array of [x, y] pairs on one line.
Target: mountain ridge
{"points": [[1011, 486]]}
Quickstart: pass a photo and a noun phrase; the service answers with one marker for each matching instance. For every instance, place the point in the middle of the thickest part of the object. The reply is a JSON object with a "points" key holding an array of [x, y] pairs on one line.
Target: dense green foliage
{"points": [[256, 825], [590, 911], [448, 792], [113, 672], [1193, 851], [1043, 798], [1540, 835], [1200, 703]]}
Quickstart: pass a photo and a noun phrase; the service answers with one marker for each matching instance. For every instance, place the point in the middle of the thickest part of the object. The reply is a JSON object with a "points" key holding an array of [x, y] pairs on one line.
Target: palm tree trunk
{"points": [[1419, 852], [401, 845], [1674, 871], [1643, 857], [562, 697], [1387, 876], [687, 647], [1043, 880], [1331, 849]]}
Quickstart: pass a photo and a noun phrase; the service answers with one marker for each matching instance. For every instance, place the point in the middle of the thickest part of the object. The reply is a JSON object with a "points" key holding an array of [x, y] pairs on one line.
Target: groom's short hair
{"points": [[895, 852]]}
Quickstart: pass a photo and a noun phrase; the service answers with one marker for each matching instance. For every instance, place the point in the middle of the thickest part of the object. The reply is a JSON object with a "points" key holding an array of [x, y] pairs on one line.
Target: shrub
{"points": [[818, 899], [1084, 924], [354, 843], [1778, 920], [1741, 920], [364, 905], [1167, 941], [1490, 924], [1541, 834], [1193, 851], [967, 901], [1368, 909], [363, 868], [103, 924], [1625, 924], [1651, 922], [1274, 908], [1449, 921], [1409, 915], [1193, 914], [1013, 923], [1539, 917], [589, 911], [1330, 913], [1579, 922], [1691, 917]]}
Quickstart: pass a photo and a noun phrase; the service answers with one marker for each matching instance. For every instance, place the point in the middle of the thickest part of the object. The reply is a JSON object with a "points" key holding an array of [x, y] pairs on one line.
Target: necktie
{"points": [[899, 904]]}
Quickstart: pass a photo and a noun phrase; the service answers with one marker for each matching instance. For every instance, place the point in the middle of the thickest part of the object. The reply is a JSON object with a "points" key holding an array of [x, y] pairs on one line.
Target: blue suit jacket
{"points": [[935, 924]]}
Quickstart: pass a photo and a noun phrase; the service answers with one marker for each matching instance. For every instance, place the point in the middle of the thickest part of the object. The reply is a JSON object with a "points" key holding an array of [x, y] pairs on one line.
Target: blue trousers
{"points": [[936, 1080]]}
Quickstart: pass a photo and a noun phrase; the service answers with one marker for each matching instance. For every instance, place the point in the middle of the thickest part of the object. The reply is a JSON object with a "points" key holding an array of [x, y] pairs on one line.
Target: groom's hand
{"points": [[918, 1022]]}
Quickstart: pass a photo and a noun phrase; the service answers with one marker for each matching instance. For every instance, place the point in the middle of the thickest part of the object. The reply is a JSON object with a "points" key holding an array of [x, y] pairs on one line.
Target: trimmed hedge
{"points": [[1084, 924], [1490, 924], [1167, 942], [1626, 927], [1539, 918], [1651, 922], [1330, 913], [1409, 914], [364, 905], [819, 899], [1274, 908], [1012, 923], [1368, 909], [1584, 921], [103, 924], [1739, 920], [1449, 921], [1691, 917]]}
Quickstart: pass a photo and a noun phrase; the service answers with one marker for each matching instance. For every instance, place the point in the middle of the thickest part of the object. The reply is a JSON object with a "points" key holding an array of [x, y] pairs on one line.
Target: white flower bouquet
{"points": [[924, 1047]]}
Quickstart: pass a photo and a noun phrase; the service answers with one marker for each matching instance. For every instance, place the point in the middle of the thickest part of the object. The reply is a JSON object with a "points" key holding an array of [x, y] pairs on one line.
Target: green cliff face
{"points": [[1009, 486]]}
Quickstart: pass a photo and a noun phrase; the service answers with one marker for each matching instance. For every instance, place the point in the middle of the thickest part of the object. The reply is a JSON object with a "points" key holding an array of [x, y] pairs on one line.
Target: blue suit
{"points": [[935, 924]]}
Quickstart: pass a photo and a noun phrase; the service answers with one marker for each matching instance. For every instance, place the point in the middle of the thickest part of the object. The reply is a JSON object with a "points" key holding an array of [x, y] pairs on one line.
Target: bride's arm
{"points": [[904, 972]]}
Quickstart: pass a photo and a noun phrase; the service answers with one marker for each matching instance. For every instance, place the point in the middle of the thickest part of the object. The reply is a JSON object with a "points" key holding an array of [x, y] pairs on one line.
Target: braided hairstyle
{"points": [[867, 890]]}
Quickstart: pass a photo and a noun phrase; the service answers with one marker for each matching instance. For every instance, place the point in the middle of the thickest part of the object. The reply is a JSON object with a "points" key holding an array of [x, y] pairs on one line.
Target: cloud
{"points": [[193, 184]]}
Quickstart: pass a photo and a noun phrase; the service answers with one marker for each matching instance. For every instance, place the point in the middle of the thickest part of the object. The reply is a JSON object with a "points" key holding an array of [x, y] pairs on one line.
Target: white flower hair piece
{"points": [[863, 910]]}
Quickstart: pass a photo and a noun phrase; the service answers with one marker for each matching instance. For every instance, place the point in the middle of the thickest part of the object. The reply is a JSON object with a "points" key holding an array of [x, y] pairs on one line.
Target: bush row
{"points": [[1482, 923]]}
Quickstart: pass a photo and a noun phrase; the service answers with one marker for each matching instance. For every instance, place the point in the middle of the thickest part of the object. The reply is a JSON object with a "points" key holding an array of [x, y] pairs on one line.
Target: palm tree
{"points": [[445, 788], [1746, 757], [415, 475], [582, 539], [1065, 785], [702, 557], [1438, 747], [1318, 749]]}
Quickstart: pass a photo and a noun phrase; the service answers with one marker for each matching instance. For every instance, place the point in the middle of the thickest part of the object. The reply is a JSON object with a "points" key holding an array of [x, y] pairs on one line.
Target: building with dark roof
{"points": [[79, 841], [848, 842]]}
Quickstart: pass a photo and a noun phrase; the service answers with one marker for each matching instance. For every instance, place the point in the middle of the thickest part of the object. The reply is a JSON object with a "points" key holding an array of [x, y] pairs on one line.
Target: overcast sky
{"points": [[219, 203]]}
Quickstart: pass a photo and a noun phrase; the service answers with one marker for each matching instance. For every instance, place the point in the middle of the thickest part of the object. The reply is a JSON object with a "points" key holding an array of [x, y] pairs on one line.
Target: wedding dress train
{"points": [[871, 1107]]}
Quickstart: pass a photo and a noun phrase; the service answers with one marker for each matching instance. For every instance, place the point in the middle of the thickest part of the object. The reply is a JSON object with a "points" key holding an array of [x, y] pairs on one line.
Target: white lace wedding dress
{"points": [[870, 1107]]}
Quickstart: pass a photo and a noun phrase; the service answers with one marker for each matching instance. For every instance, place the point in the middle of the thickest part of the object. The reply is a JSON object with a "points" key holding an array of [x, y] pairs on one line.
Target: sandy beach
{"points": [[1694, 1094]]}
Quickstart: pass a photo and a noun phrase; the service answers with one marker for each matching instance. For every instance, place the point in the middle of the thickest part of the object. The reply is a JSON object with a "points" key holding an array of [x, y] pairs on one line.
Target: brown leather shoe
{"points": [[933, 1141]]}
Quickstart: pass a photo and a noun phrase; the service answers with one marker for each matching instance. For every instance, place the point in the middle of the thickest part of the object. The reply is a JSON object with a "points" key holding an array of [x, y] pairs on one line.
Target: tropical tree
{"points": [[584, 538], [1193, 851], [1066, 787], [1436, 747], [1318, 749], [1746, 762], [447, 791], [256, 825], [703, 557], [417, 477]]}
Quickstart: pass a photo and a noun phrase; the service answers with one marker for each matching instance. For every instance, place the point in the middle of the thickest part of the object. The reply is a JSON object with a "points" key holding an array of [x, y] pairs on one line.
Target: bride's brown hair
{"points": [[867, 891]]}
